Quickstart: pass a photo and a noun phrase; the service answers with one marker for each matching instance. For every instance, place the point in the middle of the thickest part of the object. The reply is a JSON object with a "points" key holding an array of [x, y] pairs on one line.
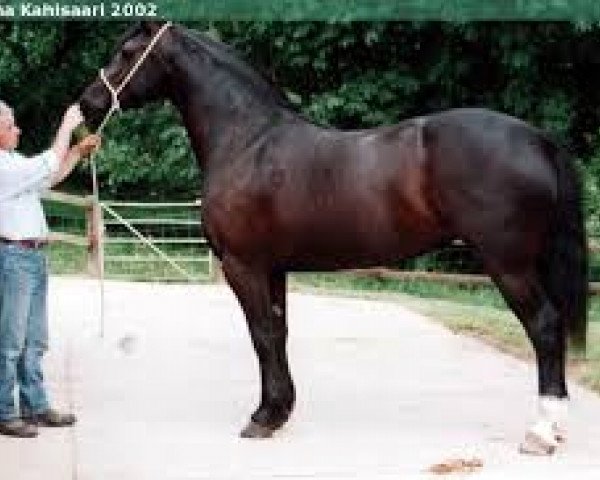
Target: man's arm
{"points": [[49, 167], [68, 157], [73, 155], [71, 119]]}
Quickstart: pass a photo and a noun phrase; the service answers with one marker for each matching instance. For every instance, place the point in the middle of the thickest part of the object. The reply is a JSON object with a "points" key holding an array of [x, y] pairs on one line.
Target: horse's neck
{"points": [[219, 126]]}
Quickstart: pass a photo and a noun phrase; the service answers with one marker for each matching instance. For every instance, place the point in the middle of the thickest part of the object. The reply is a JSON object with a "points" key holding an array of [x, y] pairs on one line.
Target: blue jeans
{"points": [[23, 329]]}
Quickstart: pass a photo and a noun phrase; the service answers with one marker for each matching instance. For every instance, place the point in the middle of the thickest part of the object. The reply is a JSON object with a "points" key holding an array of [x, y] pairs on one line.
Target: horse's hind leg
{"points": [[525, 294], [262, 294]]}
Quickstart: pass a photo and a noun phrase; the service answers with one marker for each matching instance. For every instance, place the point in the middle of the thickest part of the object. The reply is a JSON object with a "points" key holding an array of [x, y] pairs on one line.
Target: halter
{"points": [[114, 92]]}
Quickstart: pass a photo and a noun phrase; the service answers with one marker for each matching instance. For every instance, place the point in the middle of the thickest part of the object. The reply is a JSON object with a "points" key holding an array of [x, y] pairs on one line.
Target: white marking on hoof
{"points": [[553, 411]]}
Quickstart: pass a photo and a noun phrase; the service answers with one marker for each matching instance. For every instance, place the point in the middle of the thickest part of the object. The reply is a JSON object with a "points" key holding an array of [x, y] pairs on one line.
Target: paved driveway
{"points": [[383, 393]]}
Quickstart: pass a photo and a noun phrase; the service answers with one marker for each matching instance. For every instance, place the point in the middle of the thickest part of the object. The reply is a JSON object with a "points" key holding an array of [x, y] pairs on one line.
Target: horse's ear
{"points": [[150, 27]]}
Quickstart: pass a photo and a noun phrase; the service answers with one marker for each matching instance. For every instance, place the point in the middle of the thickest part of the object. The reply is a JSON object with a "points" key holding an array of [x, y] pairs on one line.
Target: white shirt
{"points": [[22, 182]]}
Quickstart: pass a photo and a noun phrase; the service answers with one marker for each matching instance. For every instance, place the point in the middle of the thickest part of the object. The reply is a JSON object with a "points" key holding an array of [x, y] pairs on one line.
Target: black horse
{"points": [[281, 194]]}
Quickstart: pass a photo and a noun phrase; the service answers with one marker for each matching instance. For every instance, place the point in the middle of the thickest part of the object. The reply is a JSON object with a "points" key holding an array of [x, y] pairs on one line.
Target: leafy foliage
{"points": [[148, 158]]}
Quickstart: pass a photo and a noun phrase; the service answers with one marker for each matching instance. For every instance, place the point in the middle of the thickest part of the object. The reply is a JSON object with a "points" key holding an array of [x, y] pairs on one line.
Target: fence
{"points": [[127, 244], [162, 240], [133, 241]]}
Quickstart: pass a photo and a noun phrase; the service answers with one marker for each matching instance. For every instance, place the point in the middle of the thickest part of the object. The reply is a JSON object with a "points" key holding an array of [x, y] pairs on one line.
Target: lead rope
{"points": [[114, 107]]}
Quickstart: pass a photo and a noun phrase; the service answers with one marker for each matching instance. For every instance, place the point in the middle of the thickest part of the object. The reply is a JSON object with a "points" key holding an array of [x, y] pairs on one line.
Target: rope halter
{"points": [[115, 92]]}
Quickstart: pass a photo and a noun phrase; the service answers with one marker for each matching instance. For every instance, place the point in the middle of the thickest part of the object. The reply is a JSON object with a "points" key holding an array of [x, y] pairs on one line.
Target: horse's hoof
{"points": [[535, 444], [254, 430]]}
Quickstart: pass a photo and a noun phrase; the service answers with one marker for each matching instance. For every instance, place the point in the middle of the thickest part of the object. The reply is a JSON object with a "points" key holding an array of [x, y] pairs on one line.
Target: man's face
{"points": [[9, 132]]}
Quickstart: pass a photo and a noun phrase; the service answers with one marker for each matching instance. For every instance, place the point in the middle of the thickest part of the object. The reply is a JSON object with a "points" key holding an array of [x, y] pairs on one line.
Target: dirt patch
{"points": [[456, 465]]}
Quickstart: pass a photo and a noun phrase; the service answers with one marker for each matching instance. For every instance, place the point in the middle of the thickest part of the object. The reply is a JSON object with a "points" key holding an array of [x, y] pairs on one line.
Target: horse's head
{"points": [[145, 85]]}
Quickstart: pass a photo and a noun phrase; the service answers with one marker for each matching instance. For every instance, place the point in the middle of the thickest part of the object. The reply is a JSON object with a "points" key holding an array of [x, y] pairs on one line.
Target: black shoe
{"points": [[51, 418], [18, 428]]}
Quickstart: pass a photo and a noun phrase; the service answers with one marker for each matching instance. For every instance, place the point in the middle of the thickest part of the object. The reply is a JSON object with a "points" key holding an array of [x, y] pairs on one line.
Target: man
{"points": [[23, 274]]}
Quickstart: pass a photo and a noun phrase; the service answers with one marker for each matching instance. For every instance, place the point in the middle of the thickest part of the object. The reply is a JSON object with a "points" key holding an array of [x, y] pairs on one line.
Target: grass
{"points": [[67, 259], [475, 311], [72, 260]]}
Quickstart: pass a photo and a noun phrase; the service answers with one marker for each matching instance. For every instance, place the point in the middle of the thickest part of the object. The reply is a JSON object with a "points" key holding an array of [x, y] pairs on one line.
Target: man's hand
{"points": [[72, 118], [88, 145]]}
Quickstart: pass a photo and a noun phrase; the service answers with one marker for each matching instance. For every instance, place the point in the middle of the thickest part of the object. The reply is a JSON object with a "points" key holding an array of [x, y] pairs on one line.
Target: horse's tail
{"points": [[565, 261]]}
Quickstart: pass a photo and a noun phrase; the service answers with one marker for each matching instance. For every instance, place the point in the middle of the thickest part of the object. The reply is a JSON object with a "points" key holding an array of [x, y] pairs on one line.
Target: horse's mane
{"points": [[228, 58]]}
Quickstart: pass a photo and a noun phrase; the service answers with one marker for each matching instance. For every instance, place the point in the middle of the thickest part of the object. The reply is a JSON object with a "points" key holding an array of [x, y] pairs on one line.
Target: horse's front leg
{"points": [[262, 295]]}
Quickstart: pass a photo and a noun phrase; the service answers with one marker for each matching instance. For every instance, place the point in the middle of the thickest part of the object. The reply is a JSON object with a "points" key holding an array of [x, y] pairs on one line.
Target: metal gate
{"points": [[153, 241]]}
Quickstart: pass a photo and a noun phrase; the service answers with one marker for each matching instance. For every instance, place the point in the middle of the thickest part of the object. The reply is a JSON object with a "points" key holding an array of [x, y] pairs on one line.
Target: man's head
{"points": [[9, 132]]}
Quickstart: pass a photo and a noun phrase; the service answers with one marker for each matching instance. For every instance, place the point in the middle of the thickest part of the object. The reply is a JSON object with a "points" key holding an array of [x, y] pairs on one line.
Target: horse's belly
{"points": [[338, 245]]}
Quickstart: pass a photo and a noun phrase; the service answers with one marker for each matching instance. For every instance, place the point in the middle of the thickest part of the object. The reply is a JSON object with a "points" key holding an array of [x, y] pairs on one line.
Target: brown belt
{"points": [[26, 242]]}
